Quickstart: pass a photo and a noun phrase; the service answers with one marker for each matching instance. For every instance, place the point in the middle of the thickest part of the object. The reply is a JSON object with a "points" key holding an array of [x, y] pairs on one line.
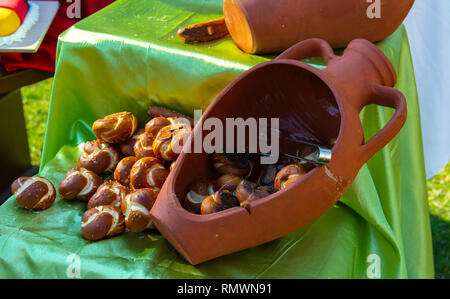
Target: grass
{"points": [[438, 201], [36, 99]]}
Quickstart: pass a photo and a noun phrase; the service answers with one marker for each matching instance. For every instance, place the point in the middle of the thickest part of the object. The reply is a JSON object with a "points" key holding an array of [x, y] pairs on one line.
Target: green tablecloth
{"points": [[127, 57]]}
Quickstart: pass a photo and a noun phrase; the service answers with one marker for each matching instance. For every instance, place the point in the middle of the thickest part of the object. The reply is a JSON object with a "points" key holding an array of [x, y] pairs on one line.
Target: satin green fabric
{"points": [[128, 57]]}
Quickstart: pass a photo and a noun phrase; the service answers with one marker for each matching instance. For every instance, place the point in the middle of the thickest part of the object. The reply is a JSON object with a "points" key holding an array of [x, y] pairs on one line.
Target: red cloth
{"points": [[19, 6], [44, 59]]}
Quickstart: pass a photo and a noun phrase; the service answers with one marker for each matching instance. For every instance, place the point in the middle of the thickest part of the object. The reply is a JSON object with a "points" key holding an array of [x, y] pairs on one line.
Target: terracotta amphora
{"points": [[318, 104], [266, 26]]}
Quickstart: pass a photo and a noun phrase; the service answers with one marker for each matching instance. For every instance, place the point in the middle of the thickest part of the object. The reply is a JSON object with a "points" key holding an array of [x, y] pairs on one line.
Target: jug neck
{"points": [[360, 67]]}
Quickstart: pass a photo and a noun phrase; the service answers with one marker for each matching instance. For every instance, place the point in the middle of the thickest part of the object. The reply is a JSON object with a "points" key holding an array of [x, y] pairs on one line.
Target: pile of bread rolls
{"points": [[139, 162], [240, 180]]}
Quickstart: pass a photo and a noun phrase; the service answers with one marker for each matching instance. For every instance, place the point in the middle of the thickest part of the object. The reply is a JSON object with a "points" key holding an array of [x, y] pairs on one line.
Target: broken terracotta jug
{"points": [[267, 26], [311, 104]]}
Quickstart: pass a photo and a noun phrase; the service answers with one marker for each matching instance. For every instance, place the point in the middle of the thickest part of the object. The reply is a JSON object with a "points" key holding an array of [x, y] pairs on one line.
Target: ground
{"points": [[36, 99]]}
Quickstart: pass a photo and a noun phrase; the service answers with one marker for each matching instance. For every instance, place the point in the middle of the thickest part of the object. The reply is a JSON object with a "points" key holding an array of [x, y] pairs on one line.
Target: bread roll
{"points": [[99, 157], [288, 175], [170, 140], [219, 201], [267, 174], [109, 193], [79, 183], [136, 208], [249, 191], [198, 191], [237, 164], [127, 148], [123, 170], [156, 124], [101, 222], [115, 128], [144, 146], [228, 182], [148, 172], [34, 193]]}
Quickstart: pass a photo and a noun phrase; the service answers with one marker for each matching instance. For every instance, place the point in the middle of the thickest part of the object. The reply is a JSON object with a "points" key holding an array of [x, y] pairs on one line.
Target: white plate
{"points": [[34, 37]]}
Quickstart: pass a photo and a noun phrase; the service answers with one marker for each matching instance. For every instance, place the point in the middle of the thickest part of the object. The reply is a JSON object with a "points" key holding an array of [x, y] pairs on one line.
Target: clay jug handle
{"points": [[388, 97], [314, 47]]}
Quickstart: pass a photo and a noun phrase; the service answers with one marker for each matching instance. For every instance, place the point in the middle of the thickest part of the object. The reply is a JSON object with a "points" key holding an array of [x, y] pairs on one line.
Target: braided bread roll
{"points": [[123, 170], [249, 191], [79, 183], [154, 112], [115, 128], [127, 148], [288, 175], [109, 193], [219, 201], [99, 157], [34, 193], [157, 123], [198, 191], [101, 222], [237, 164], [136, 208], [228, 182], [170, 140], [144, 146], [268, 172], [148, 172]]}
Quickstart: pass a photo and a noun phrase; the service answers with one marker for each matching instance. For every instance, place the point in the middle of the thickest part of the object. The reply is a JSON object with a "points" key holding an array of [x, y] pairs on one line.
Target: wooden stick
{"points": [[203, 32]]}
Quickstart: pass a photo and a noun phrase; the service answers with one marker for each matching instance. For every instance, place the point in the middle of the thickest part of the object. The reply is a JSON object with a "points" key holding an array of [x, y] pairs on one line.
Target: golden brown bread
{"points": [[148, 172], [144, 146], [123, 170], [136, 208], [127, 148], [219, 201], [236, 164], [156, 124], [198, 191], [101, 222], [267, 173], [99, 157], [35, 193], [289, 174], [109, 193], [170, 140], [154, 112], [228, 182], [115, 128], [79, 183], [249, 191]]}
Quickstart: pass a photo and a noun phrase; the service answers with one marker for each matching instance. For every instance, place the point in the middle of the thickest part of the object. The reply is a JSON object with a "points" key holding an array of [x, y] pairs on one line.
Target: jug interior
{"points": [[304, 105]]}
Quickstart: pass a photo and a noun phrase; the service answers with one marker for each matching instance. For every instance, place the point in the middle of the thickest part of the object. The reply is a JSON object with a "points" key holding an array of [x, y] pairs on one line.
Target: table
{"points": [[127, 57]]}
